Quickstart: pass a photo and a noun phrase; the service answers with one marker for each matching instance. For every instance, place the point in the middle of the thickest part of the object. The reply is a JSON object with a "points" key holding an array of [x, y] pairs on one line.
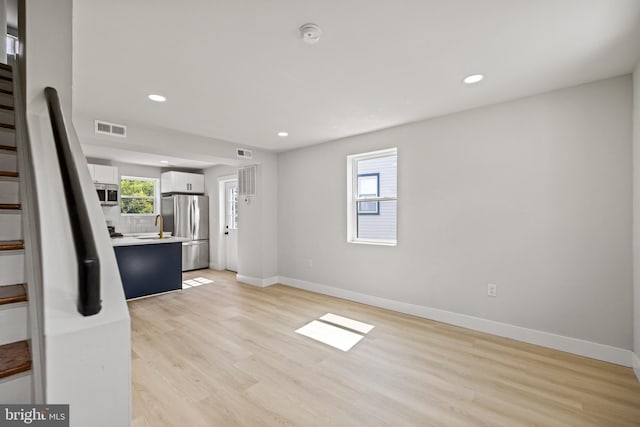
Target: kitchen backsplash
{"points": [[129, 223]]}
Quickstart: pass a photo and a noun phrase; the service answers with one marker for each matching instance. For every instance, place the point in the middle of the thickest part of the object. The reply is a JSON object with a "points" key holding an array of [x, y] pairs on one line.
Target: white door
{"points": [[231, 224]]}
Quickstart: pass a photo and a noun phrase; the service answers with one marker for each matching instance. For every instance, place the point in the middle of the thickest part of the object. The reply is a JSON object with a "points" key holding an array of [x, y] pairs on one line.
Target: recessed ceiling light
{"points": [[473, 78], [157, 98], [283, 134], [164, 162]]}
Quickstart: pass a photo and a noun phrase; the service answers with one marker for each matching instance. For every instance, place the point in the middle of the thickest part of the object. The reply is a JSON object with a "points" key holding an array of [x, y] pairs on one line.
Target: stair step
{"points": [[7, 125], [12, 268], [8, 148], [14, 358], [11, 245], [8, 160], [4, 66], [7, 78], [6, 86], [10, 227], [6, 107], [7, 117], [7, 137], [11, 294], [8, 174], [10, 206], [9, 189], [16, 389], [14, 320], [6, 99]]}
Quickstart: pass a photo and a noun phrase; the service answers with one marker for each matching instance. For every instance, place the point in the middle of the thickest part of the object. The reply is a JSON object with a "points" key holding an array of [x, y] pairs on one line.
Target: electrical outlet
{"points": [[492, 290]]}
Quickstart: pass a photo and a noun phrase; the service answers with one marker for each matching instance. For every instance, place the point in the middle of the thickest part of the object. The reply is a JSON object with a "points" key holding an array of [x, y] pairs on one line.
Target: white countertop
{"points": [[144, 239]]}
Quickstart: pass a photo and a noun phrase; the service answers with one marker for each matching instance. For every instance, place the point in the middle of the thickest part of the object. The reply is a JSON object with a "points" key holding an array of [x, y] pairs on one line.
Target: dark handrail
{"points": [[89, 302]]}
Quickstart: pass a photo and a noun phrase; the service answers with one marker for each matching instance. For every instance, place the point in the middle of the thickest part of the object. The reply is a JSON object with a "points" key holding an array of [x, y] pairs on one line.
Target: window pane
{"points": [[136, 206], [368, 185], [232, 212], [144, 191], [134, 187], [386, 167], [368, 208], [377, 226]]}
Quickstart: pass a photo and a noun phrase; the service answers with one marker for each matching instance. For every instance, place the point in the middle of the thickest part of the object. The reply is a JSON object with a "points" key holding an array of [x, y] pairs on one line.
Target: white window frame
{"points": [[156, 195], [353, 199]]}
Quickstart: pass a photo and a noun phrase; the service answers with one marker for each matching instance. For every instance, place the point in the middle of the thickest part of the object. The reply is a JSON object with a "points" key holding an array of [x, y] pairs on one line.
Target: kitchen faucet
{"points": [[161, 224]]}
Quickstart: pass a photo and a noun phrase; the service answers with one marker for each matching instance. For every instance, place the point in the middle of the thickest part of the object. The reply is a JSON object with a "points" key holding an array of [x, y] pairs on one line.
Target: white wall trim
{"points": [[636, 365], [254, 281], [577, 346]]}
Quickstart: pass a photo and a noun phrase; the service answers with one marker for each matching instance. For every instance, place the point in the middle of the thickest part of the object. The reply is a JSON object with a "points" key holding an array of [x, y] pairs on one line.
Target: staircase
{"points": [[15, 354]]}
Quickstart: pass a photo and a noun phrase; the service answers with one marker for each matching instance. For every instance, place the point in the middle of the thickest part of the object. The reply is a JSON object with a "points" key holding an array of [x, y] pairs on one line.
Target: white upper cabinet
{"points": [[182, 182], [104, 174]]}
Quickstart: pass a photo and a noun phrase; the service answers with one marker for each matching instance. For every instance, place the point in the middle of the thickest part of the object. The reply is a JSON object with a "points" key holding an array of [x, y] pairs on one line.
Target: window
{"points": [[372, 197], [232, 208], [138, 196], [12, 45]]}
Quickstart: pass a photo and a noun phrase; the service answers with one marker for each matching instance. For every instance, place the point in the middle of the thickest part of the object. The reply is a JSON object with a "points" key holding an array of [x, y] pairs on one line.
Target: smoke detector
{"points": [[310, 33]]}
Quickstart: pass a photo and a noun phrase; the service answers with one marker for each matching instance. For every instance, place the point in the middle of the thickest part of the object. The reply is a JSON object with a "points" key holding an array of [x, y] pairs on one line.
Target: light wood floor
{"points": [[226, 354]]}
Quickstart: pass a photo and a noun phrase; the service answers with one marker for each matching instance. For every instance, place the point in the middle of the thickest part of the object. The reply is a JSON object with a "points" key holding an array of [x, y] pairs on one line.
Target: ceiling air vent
{"points": [[106, 128], [244, 154]]}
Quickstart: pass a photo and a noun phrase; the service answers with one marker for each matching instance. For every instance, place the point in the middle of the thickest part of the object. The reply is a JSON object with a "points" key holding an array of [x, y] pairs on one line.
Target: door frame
{"points": [[222, 242]]}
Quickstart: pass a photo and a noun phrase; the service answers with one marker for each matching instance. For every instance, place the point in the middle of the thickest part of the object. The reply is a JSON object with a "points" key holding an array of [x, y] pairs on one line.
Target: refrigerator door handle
{"points": [[193, 218]]}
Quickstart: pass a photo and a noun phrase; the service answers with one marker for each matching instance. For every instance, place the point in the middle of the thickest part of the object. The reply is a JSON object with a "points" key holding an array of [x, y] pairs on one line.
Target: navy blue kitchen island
{"points": [[149, 267]]}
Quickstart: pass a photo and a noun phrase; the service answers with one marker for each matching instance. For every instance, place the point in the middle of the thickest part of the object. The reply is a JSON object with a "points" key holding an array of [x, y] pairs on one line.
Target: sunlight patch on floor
{"points": [[331, 335], [195, 282], [345, 322]]}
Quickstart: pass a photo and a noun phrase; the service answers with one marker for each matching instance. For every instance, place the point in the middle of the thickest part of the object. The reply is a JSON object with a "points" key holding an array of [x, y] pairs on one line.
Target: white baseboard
{"points": [[636, 365], [254, 281], [577, 346]]}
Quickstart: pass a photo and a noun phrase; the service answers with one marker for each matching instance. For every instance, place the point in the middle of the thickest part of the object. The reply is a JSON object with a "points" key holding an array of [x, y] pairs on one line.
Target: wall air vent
{"points": [[247, 181], [112, 129], [244, 154]]}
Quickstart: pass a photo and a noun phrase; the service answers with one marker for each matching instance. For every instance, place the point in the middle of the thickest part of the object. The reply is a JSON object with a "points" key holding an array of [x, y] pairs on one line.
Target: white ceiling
{"points": [[238, 70]]}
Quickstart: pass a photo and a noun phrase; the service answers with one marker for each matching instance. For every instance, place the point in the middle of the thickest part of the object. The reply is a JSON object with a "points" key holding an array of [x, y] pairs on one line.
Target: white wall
{"points": [[636, 219], [87, 358], [258, 223], [533, 195], [3, 34]]}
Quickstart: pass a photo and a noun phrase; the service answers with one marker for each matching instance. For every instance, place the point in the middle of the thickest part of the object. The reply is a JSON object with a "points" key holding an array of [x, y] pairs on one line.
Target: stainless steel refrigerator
{"points": [[187, 216]]}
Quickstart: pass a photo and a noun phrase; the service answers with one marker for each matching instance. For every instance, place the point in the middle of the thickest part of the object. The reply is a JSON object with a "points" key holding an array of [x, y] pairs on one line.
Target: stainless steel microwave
{"points": [[107, 194]]}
